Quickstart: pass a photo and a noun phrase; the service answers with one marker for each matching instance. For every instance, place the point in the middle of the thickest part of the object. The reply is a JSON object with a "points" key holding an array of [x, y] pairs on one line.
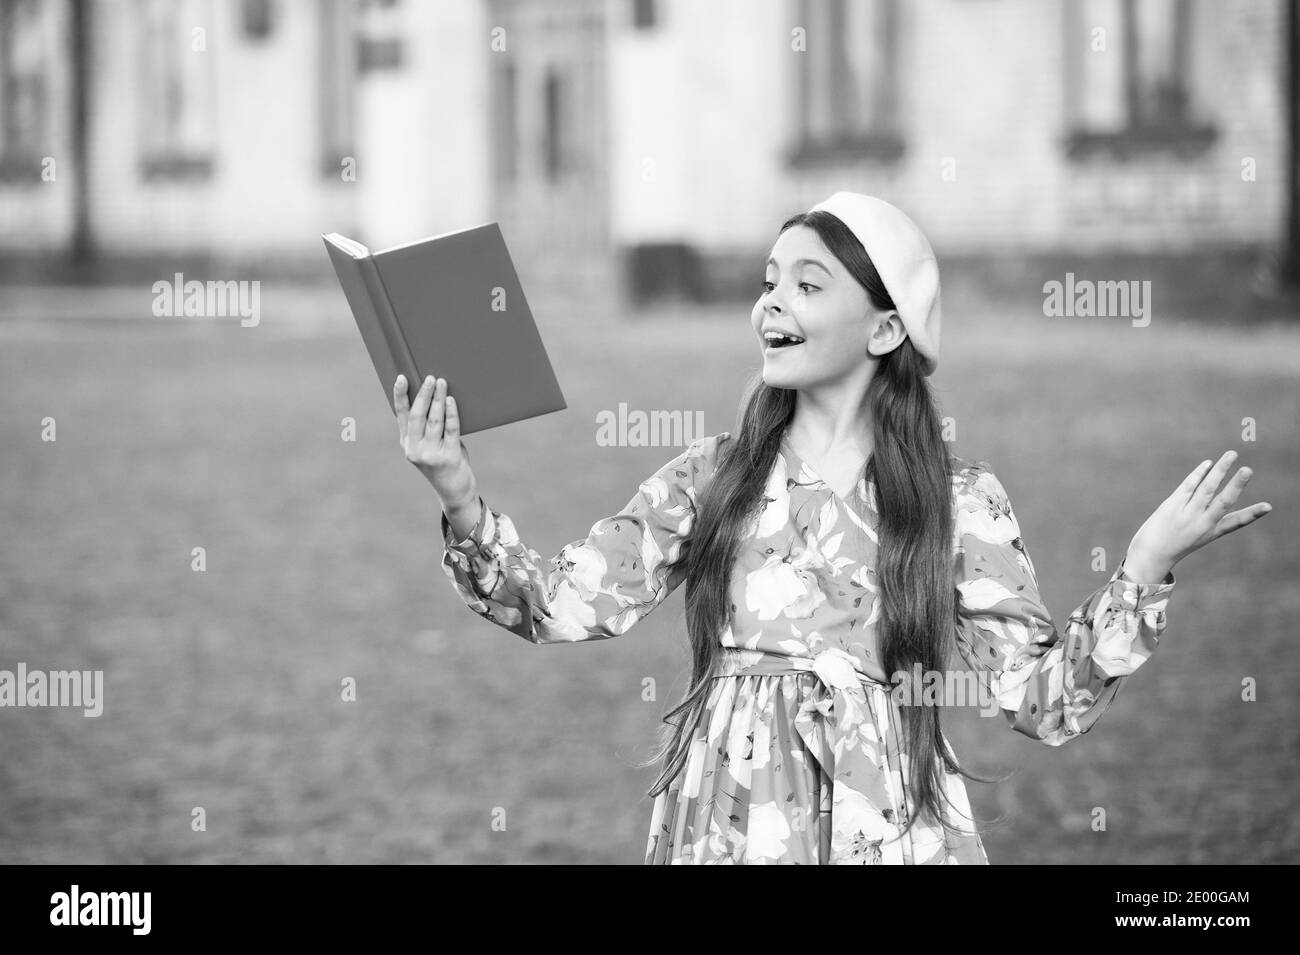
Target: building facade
{"points": [[662, 137]]}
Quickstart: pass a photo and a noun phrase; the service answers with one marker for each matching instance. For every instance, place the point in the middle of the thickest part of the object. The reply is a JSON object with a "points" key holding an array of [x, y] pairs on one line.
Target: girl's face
{"points": [[808, 293]]}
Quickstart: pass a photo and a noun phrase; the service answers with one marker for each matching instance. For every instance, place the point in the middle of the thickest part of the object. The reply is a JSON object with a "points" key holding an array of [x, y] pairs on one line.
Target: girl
{"points": [[835, 554]]}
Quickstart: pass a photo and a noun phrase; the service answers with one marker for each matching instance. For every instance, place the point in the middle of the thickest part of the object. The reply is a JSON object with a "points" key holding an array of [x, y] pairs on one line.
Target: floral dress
{"points": [[798, 756]]}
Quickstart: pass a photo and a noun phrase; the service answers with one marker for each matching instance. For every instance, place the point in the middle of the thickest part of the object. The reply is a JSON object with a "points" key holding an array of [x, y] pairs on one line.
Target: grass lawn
{"points": [[223, 687]]}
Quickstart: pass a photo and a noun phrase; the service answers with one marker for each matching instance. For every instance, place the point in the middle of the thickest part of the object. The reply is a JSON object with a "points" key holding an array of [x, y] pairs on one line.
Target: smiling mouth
{"points": [[774, 342]]}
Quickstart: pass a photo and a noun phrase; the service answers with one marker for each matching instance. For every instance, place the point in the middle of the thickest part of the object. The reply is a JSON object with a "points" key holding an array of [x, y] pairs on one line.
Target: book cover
{"points": [[450, 305]]}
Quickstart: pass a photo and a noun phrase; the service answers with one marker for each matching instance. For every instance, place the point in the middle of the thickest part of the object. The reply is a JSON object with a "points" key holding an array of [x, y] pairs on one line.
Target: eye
{"points": [[768, 286]]}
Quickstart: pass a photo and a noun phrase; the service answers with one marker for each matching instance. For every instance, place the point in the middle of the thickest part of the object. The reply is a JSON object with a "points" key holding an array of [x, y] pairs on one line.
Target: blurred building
{"points": [[647, 138]]}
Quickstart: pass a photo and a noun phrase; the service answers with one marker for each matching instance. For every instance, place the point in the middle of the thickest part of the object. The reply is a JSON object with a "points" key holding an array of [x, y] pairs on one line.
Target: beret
{"points": [[904, 259]]}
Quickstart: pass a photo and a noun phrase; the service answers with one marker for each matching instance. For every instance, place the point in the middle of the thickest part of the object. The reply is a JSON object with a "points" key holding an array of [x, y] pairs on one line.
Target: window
{"points": [[379, 41], [178, 98], [848, 81], [24, 88], [643, 14], [338, 73], [259, 19], [1130, 84], [556, 143], [505, 124]]}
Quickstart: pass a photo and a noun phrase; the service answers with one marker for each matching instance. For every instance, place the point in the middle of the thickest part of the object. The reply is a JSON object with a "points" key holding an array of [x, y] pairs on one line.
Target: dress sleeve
{"points": [[595, 588], [1049, 686]]}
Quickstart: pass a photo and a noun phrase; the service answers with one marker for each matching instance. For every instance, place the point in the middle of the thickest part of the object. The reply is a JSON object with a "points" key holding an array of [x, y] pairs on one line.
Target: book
{"points": [[450, 305]]}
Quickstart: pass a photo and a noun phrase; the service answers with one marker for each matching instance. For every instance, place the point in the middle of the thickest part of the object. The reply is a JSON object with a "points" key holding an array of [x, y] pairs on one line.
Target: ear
{"points": [[887, 332]]}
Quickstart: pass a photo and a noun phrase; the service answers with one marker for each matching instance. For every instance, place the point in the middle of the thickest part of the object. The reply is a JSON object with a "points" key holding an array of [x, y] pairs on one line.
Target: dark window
{"points": [[505, 126], [259, 19], [24, 87], [643, 14], [380, 45], [380, 53], [556, 118], [178, 99], [338, 76], [1130, 81], [847, 105]]}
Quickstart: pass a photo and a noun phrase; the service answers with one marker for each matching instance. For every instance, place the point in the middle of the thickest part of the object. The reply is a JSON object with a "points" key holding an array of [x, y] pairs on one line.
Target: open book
{"points": [[450, 305]]}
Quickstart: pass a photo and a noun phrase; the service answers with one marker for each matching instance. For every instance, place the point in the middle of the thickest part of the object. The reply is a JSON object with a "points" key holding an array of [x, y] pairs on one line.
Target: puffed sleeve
{"points": [[1049, 686], [595, 588]]}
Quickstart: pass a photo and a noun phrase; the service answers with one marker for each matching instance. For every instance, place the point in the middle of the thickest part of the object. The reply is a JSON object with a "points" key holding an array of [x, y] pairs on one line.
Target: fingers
{"points": [[420, 411], [1239, 519], [433, 428], [401, 406], [1232, 490], [1210, 483], [1190, 483], [451, 430], [1228, 522]]}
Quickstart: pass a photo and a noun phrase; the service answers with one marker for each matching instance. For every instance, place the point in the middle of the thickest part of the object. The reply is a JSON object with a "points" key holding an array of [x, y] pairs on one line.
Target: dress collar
{"points": [[795, 465]]}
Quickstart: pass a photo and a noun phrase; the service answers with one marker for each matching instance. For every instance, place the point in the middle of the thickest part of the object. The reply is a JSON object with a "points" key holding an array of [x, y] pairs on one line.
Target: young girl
{"points": [[832, 549]]}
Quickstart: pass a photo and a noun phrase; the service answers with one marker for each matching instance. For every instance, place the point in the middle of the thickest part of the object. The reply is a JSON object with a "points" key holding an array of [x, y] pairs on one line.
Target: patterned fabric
{"points": [[799, 755]]}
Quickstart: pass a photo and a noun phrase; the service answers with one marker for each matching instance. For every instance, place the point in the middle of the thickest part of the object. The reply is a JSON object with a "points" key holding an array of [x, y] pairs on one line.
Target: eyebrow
{"points": [[799, 262]]}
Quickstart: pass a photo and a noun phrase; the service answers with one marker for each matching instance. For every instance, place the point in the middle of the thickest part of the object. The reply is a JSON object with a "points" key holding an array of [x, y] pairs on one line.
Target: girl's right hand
{"points": [[429, 433]]}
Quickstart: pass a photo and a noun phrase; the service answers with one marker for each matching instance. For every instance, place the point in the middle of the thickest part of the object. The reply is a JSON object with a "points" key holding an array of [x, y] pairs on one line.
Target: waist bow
{"points": [[853, 728]]}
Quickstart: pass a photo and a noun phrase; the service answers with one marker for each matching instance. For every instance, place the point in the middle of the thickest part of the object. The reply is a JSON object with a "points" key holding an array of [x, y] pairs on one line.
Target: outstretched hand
{"points": [[1197, 513]]}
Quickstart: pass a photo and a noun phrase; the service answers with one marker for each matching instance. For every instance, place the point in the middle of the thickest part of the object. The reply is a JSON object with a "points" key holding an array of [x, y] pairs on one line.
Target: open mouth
{"points": [[778, 340]]}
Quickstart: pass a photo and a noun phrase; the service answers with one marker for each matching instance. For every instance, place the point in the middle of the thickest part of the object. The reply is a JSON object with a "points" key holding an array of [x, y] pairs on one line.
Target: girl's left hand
{"points": [[1195, 514]]}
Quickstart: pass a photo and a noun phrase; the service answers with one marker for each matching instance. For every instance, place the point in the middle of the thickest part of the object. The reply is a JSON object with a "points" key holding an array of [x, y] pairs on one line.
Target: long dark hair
{"points": [[911, 468]]}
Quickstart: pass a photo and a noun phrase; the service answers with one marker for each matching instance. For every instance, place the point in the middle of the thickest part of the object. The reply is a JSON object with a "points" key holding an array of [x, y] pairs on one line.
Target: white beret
{"points": [[904, 259]]}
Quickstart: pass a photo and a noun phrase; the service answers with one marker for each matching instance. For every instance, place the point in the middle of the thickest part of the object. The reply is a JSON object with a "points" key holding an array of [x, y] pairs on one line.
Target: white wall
{"points": [[267, 192], [423, 134]]}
